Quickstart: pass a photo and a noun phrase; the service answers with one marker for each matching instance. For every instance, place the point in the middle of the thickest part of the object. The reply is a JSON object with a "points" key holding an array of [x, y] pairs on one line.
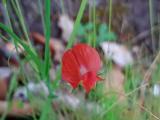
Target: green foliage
{"points": [[112, 109], [156, 74], [105, 35], [71, 39], [86, 33], [97, 93]]}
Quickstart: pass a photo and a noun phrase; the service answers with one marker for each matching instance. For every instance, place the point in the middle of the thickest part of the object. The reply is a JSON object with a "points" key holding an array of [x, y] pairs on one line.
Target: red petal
{"points": [[70, 69], [89, 80], [87, 57]]}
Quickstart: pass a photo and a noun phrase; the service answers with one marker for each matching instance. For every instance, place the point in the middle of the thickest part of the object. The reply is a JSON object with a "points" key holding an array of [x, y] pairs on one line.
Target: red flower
{"points": [[81, 64]]}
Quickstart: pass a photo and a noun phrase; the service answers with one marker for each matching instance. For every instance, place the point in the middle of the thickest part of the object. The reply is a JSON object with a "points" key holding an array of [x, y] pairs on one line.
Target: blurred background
{"points": [[126, 34]]}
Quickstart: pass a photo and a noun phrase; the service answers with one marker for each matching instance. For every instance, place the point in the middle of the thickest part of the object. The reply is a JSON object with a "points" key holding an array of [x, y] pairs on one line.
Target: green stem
{"points": [[22, 21], [9, 23], [77, 23], [94, 21], [71, 40], [110, 15], [47, 36], [62, 6], [152, 23]]}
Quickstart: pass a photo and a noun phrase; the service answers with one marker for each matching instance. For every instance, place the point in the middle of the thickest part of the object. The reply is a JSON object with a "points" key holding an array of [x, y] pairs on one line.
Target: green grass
{"points": [[112, 109], [72, 38], [47, 30], [110, 15], [152, 21], [77, 23]]}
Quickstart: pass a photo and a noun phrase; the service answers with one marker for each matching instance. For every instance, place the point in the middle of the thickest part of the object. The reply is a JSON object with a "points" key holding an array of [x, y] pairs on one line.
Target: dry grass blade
{"points": [[141, 87], [147, 77], [157, 118]]}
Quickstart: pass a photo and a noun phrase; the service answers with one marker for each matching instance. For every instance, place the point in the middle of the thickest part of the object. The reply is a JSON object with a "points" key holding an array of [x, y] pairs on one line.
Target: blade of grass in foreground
{"points": [[27, 49], [71, 39], [47, 31], [18, 11], [77, 23], [9, 22], [7, 14], [47, 111]]}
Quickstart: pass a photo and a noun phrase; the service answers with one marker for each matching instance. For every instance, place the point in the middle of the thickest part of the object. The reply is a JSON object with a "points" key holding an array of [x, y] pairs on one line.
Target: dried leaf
{"points": [[114, 83], [56, 46], [15, 111], [4, 80]]}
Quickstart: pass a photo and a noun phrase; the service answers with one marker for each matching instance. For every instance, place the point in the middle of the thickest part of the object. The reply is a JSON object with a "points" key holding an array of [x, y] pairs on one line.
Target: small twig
{"points": [[147, 76], [148, 111]]}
